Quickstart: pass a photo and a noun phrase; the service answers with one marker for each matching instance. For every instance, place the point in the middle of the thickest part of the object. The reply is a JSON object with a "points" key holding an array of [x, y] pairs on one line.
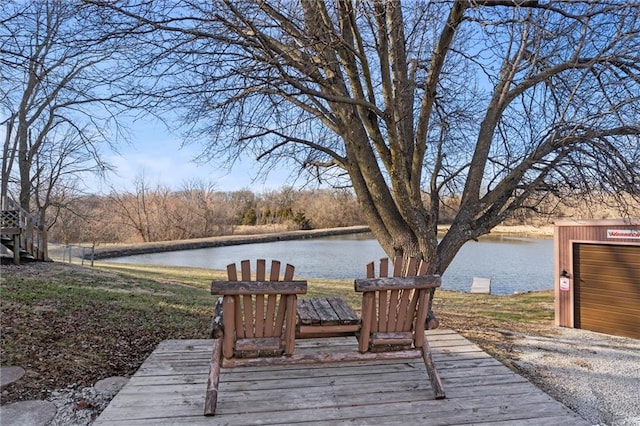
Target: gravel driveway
{"points": [[596, 375]]}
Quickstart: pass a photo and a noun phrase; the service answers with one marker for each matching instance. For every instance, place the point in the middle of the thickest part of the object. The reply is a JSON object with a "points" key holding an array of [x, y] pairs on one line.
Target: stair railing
{"points": [[32, 234]]}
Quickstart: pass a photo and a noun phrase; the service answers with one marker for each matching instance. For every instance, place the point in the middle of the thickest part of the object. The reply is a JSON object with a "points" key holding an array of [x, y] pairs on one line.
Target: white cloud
{"points": [[162, 162]]}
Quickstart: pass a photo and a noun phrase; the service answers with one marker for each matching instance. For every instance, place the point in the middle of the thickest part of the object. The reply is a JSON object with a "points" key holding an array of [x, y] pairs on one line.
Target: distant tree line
{"points": [[197, 210]]}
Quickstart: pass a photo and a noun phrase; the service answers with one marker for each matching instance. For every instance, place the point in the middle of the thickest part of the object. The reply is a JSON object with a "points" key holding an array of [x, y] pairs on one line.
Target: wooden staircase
{"points": [[22, 233]]}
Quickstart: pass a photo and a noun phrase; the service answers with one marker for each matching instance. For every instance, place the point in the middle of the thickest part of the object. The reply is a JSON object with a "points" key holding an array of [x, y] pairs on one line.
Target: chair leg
{"points": [[211, 396], [434, 377]]}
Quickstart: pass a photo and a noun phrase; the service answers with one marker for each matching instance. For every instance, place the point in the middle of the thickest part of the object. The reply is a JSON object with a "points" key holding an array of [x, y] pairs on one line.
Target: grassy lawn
{"points": [[69, 325]]}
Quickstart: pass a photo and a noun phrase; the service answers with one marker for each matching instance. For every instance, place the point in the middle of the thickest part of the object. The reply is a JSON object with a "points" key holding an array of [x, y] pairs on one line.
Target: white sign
{"points": [[565, 284], [633, 234]]}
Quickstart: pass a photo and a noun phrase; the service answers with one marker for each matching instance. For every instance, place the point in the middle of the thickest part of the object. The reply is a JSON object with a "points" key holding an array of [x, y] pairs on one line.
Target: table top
{"points": [[324, 311]]}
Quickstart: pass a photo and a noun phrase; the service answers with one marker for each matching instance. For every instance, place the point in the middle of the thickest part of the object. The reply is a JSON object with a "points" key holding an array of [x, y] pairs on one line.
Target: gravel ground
{"points": [[78, 407], [72, 406], [596, 375]]}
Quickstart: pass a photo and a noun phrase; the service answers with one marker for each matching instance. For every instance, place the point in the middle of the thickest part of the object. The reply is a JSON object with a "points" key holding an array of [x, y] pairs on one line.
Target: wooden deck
{"points": [[169, 388]]}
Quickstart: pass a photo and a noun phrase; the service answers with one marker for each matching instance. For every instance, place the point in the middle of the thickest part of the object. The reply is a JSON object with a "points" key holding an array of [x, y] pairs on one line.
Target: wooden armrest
{"points": [[397, 283], [233, 288]]}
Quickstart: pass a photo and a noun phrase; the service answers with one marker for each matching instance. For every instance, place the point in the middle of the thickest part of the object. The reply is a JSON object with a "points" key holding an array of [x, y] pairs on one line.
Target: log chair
{"points": [[253, 318]]}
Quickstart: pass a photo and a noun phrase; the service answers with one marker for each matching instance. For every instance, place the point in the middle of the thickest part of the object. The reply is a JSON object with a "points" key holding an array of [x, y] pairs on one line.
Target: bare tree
{"points": [[497, 102], [60, 94], [135, 211], [326, 208]]}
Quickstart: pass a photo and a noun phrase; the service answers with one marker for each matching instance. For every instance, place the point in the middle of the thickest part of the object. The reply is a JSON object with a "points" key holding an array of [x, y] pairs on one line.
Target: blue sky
{"points": [[158, 155]]}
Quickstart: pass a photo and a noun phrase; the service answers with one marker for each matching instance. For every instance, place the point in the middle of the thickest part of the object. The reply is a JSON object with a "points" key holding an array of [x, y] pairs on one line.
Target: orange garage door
{"points": [[607, 288]]}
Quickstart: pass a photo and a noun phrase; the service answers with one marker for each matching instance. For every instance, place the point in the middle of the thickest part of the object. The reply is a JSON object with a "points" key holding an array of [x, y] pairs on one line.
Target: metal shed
{"points": [[597, 275]]}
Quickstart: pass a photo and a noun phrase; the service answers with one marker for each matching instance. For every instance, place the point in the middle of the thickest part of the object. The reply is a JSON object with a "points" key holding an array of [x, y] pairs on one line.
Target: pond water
{"points": [[513, 264]]}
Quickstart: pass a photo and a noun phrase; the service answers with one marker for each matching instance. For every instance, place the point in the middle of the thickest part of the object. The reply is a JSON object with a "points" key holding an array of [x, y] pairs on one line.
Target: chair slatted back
{"points": [[258, 314], [394, 308]]}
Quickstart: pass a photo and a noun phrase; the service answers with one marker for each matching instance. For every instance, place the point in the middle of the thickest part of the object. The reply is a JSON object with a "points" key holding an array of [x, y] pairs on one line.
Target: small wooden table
{"points": [[325, 317]]}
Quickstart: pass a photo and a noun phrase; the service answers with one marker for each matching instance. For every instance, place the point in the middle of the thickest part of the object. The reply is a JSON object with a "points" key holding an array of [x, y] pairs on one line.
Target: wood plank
{"points": [[400, 371], [343, 310], [397, 266], [402, 408], [384, 267], [365, 391], [258, 344], [370, 270], [409, 319], [458, 368], [404, 311], [288, 273], [412, 267], [393, 310], [270, 317], [260, 269], [245, 270], [383, 310], [280, 315], [239, 317], [312, 372], [312, 387], [247, 311], [322, 357], [392, 338], [232, 273], [306, 313], [404, 389], [326, 313], [275, 270], [316, 331], [259, 317], [354, 396], [321, 317]]}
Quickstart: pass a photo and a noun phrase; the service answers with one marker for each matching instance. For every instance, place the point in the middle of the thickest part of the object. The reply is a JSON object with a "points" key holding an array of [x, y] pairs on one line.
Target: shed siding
{"points": [[567, 233]]}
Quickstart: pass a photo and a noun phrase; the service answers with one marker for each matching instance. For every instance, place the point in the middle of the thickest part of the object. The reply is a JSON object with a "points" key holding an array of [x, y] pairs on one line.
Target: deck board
{"points": [[169, 388]]}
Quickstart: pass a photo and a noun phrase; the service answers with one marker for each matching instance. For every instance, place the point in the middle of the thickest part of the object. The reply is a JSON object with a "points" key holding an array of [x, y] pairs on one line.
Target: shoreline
{"points": [[220, 241], [122, 250]]}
